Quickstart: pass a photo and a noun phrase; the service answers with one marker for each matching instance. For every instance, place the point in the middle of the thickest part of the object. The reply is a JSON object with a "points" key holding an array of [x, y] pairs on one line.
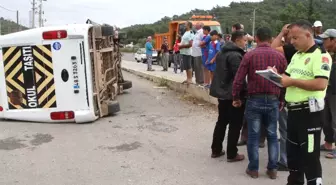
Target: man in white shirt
{"points": [[185, 51], [196, 53]]}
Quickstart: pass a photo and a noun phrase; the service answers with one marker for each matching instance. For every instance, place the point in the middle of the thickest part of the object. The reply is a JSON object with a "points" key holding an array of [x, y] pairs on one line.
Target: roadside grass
{"points": [[163, 82]]}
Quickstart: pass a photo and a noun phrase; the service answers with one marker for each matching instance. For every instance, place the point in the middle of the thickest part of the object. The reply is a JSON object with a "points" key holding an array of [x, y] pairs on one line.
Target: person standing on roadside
{"points": [[288, 50], [329, 127], [185, 51], [197, 54], [214, 48], [177, 57], [149, 53], [240, 27], [306, 80], [263, 102], [244, 132], [205, 53], [221, 39], [318, 30], [165, 54], [317, 27], [228, 61]]}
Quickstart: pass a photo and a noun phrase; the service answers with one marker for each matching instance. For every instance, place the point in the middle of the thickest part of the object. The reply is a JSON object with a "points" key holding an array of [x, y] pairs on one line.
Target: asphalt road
{"points": [[128, 56], [158, 138]]}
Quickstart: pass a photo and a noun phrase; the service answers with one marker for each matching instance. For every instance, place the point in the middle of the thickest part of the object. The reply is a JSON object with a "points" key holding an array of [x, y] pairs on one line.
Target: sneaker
{"points": [[331, 155], [150, 70]]}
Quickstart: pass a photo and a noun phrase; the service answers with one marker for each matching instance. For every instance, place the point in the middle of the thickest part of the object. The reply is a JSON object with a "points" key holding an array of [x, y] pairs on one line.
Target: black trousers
{"points": [[303, 146], [227, 115]]}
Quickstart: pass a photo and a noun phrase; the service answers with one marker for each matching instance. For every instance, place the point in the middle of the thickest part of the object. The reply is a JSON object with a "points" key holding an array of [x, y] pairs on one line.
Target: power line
{"points": [[7, 9]]}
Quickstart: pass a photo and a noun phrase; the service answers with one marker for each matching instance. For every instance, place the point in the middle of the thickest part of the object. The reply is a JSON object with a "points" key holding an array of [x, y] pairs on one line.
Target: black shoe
{"points": [[216, 155], [241, 143], [282, 168], [261, 145]]}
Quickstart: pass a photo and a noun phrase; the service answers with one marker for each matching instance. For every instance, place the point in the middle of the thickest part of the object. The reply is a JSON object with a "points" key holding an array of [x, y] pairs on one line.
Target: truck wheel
{"points": [[126, 84], [113, 107]]}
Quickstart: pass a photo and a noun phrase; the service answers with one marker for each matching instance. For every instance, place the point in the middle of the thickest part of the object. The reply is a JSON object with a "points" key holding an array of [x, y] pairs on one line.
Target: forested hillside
{"points": [[270, 13], [8, 26]]}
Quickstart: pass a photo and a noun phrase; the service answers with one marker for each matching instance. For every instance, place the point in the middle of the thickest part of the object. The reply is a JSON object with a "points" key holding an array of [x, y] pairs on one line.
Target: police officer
{"points": [[306, 79]]}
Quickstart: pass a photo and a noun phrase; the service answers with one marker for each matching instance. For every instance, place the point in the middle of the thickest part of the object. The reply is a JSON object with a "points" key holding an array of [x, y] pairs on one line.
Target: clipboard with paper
{"points": [[271, 76]]}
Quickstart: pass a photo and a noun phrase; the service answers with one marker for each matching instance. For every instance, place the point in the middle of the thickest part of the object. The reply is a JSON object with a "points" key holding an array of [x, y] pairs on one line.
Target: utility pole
{"points": [[254, 18], [33, 14], [17, 20], [41, 12]]}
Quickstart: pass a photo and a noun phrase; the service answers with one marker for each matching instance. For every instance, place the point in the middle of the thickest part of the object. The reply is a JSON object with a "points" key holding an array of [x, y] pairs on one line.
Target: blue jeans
{"points": [[262, 110], [283, 136]]}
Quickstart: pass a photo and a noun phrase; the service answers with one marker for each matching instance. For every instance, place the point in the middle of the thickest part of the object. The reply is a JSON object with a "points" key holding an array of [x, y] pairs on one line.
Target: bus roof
{"points": [[34, 36]]}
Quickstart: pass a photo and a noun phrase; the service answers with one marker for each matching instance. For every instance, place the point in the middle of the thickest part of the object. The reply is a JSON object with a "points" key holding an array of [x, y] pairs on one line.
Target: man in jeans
{"points": [[196, 53], [149, 53], [262, 106]]}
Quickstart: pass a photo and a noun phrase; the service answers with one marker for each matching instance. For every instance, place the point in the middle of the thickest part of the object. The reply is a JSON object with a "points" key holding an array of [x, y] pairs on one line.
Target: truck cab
{"points": [[179, 28]]}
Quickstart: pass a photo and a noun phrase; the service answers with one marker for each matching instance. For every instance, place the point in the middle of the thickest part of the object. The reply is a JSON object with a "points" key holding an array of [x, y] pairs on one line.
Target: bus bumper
{"points": [[81, 116]]}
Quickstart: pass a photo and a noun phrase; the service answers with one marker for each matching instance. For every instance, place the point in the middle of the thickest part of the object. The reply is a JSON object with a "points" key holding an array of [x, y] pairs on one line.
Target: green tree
{"points": [[271, 13]]}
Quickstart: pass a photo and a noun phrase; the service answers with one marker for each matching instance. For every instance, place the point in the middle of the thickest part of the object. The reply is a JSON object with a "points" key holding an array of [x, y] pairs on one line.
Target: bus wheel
{"points": [[113, 107], [126, 84]]}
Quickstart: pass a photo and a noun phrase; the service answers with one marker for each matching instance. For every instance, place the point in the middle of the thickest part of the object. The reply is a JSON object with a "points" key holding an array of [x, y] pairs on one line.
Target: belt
{"points": [[297, 106], [270, 96]]}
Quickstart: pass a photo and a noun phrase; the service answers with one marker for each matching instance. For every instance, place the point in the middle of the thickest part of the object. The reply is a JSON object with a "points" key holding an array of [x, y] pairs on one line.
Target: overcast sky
{"points": [[116, 12]]}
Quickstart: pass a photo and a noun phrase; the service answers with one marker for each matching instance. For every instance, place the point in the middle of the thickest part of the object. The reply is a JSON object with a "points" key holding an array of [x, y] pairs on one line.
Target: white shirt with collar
{"points": [[196, 50]]}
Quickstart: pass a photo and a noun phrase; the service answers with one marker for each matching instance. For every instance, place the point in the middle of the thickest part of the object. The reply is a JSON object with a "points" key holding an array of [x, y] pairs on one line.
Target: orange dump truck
{"points": [[178, 27]]}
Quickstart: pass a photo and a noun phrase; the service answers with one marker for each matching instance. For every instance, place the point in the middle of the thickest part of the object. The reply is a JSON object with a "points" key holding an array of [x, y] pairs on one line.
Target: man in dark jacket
{"points": [[228, 61]]}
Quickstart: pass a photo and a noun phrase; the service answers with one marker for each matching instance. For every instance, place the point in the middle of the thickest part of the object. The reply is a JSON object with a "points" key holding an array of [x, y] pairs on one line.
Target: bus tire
{"points": [[113, 107], [107, 31], [126, 84]]}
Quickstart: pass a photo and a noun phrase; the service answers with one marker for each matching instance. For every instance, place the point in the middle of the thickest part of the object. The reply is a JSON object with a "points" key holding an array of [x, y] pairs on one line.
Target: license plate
{"points": [[75, 72]]}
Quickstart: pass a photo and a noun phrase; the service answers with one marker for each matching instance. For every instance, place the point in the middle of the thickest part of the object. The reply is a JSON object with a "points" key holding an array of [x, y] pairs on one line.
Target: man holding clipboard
{"points": [[306, 80]]}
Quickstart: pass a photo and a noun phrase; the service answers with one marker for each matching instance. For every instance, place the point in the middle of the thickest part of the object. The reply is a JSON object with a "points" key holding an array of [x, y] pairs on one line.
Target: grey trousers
{"points": [[329, 125], [165, 60], [149, 61], [198, 67], [283, 136], [177, 62]]}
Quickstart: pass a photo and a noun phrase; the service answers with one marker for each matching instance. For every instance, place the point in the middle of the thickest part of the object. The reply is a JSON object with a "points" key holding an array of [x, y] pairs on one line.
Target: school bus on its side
{"points": [[65, 73]]}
